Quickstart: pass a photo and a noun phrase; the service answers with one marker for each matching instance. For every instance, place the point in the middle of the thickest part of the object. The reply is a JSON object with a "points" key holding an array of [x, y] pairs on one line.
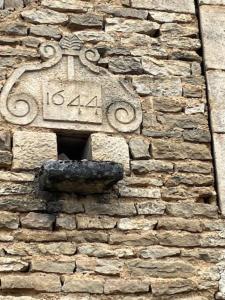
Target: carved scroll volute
{"points": [[123, 116], [22, 108]]}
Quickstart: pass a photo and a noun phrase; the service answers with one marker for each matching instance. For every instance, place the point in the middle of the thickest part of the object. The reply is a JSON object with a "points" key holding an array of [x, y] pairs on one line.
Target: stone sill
{"points": [[81, 177]]}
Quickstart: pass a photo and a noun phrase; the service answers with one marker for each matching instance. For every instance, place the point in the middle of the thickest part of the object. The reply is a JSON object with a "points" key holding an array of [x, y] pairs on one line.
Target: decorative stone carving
{"points": [[68, 90]]}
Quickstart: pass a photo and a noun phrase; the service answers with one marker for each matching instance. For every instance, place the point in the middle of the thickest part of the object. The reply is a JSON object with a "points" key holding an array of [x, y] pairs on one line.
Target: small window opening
{"points": [[71, 148]]}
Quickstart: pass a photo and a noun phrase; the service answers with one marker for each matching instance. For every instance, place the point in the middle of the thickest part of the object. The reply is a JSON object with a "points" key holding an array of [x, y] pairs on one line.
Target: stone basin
{"points": [[81, 177]]}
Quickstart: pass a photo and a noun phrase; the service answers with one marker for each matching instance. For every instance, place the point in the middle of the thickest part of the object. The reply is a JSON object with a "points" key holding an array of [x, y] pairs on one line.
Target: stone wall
{"points": [[159, 233]]}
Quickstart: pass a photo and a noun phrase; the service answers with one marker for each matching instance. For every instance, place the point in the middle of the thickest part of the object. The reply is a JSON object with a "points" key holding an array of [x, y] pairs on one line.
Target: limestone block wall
{"points": [[159, 233]]}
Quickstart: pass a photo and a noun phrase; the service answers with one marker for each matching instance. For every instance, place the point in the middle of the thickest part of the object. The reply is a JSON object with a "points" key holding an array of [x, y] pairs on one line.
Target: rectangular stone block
{"points": [[146, 85], [153, 193], [216, 93], [37, 282], [67, 5], [182, 6], [5, 140], [95, 222], [48, 266], [114, 286], [219, 154], [172, 150], [5, 158], [212, 2], [103, 147], [83, 285], [13, 3], [213, 35], [31, 149]]}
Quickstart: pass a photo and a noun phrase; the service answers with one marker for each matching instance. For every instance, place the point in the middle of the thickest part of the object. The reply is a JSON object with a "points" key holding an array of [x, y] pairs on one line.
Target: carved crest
{"points": [[69, 90]]}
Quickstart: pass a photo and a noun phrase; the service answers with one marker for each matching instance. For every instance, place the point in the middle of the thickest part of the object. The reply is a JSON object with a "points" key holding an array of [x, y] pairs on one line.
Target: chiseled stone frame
{"points": [[212, 20]]}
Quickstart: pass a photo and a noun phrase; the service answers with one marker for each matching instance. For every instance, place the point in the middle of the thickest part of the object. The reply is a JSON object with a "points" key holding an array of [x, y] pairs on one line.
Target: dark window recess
{"points": [[71, 148]]}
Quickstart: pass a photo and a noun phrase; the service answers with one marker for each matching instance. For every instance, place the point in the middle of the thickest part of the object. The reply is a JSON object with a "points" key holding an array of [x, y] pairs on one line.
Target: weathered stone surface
{"points": [[48, 266], [13, 4], [8, 264], [66, 222], [189, 210], [99, 266], [151, 208], [139, 148], [148, 166], [141, 181], [213, 2], [126, 25], [44, 16], [81, 177], [95, 222], [67, 5], [134, 239], [82, 285], [32, 249], [190, 180], [27, 235], [193, 87], [219, 150], [171, 287], [198, 135], [5, 140], [165, 67], [180, 224], [108, 148], [16, 298], [46, 31], [88, 236], [16, 177], [7, 188], [152, 193], [156, 252], [111, 208], [198, 109], [179, 30], [181, 6], [86, 21], [212, 20], [66, 203], [216, 90], [161, 269], [25, 203], [9, 220], [136, 224], [113, 286], [101, 251], [179, 239], [193, 167], [118, 11], [5, 158], [168, 150], [173, 123], [125, 65], [37, 282], [37, 221], [169, 17], [146, 85], [31, 149]]}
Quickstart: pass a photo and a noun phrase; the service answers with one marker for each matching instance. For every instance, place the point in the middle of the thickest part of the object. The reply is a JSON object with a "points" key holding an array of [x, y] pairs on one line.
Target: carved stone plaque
{"points": [[72, 101], [68, 90]]}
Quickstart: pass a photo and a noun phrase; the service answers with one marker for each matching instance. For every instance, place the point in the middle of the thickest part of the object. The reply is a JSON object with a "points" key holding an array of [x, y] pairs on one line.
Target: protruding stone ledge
{"points": [[81, 177]]}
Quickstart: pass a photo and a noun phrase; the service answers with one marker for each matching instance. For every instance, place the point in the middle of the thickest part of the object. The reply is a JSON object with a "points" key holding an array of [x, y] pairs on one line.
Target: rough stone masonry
{"points": [[159, 234]]}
